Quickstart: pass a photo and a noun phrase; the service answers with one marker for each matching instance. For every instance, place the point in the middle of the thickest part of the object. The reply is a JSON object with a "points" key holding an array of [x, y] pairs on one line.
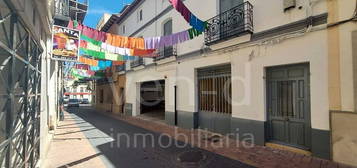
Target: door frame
{"points": [[308, 125], [212, 118]]}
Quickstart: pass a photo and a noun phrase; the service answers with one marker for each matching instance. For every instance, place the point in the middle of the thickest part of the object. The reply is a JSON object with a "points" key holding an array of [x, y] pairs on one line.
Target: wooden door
{"points": [[288, 105]]}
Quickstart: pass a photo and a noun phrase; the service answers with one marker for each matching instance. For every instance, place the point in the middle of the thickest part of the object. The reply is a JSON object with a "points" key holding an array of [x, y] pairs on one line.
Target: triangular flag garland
{"points": [[106, 50], [196, 23]]}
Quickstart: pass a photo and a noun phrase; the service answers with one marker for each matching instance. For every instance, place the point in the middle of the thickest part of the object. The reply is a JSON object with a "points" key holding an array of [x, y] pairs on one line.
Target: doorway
{"points": [[152, 101], [214, 91], [288, 106]]}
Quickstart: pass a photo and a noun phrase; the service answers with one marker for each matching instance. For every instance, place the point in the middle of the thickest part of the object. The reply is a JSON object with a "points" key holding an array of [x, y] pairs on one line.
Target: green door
{"points": [[288, 105]]}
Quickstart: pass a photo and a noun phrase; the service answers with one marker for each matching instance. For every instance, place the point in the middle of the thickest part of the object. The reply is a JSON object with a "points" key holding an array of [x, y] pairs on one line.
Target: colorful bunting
{"points": [[188, 15]]}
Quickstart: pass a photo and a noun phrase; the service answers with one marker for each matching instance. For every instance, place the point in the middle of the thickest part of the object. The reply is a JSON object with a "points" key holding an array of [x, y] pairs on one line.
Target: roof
{"points": [[109, 23], [128, 10], [115, 17]]}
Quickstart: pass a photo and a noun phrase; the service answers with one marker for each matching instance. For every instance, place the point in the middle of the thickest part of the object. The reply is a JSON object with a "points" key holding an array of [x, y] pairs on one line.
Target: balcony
{"points": [[166, 52], [62, 9], [233, 23], [136, 63], [78, 9]]}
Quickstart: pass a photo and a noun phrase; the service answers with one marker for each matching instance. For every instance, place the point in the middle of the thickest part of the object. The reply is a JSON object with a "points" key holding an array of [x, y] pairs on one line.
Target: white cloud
{"points": [[98, 11]]}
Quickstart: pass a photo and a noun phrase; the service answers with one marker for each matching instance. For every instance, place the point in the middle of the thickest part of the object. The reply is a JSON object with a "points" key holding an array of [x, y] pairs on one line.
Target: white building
{"points": [[287, 67], [80, 91]]}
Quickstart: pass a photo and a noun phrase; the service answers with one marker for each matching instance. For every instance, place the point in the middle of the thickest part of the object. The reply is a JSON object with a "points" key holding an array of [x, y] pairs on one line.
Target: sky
{"points": [[98, 7]]}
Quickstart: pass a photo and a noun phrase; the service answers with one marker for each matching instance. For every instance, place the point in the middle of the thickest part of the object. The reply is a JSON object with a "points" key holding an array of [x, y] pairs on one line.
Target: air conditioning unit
{"points": [[289, 4]]}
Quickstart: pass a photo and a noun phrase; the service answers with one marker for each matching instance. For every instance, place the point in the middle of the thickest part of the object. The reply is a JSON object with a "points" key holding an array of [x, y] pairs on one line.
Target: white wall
{"points": [[248, 64], [135, 78], [253, 61]]}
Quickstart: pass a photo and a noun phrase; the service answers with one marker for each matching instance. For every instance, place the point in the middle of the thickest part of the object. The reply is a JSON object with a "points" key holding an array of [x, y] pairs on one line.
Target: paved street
{"points": [[99, 145], [88, 138]]}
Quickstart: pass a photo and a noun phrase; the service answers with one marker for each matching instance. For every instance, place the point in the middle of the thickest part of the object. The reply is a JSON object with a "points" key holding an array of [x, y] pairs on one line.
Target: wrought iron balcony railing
{"points": [[138, 62], [166, 53], [62, 8], [80, 1], [229, 24]]}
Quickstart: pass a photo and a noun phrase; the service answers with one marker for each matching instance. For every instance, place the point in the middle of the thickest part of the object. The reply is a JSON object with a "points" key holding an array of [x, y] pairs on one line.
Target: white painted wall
{"points": [[135, 78]]}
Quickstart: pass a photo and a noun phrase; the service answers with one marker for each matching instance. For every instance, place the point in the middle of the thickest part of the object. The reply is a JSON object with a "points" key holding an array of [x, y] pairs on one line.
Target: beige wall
{"points": [[344, 137], [342, 79], [354, 58], [112, 96], [107, 104], [340, 49]]}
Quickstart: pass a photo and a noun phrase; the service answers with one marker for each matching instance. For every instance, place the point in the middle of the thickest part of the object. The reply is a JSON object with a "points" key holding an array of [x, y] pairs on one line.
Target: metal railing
{"points": [[229, 24], [138, 62], [81, 1], [166, 53], [20, 91], [62, 8]]}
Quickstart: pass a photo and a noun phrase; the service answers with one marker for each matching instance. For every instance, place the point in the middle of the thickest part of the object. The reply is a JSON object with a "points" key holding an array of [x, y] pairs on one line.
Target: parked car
{"points": [[65, 100], [85, 101], [73, 103]]}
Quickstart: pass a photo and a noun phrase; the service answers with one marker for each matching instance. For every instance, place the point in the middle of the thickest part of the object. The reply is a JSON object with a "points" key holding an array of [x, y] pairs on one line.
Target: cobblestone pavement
{"points": [[90, 139], [258, 156]]}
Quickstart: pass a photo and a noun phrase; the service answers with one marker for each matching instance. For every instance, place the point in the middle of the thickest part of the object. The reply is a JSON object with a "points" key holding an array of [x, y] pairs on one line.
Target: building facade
{"points": [[30, 82], [110, 92], [26, 70], [282, 71], [66, 10], [79, 90]]}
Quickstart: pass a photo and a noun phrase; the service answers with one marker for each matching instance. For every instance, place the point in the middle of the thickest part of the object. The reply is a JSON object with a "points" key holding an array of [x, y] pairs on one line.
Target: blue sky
{"points": [[98, 7]]}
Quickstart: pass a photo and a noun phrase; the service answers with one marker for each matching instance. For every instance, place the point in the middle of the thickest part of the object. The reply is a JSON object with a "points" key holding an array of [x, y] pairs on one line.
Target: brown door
{"points": [[215, 108]]}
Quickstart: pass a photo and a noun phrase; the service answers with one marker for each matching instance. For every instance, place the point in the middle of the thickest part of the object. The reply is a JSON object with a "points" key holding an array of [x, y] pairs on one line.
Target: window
{"points": [[168, 28], [101, 96], [225, 5], [82, 90], [34, 16], [167, 51], [123, 29], [140, 15]]}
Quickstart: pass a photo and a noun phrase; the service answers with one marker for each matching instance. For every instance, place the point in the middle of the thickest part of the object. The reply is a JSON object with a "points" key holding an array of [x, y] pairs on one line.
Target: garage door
{"points": [[215, 107]]}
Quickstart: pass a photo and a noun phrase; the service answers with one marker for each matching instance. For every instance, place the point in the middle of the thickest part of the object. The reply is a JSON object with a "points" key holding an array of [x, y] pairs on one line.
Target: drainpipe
{"points": [[175, 94]]}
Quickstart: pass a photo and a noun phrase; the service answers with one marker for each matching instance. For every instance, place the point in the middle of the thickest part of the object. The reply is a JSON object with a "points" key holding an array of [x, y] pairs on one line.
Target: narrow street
{"points": [[178, 83], [88, 139]]}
